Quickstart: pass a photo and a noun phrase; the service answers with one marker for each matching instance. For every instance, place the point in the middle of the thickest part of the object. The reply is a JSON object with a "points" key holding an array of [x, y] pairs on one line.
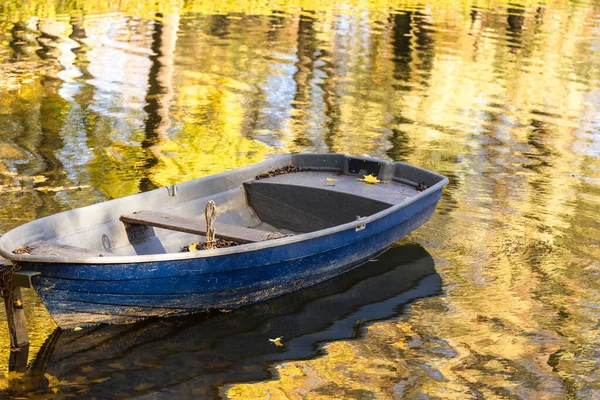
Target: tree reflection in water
{"points": [[102, 100]]}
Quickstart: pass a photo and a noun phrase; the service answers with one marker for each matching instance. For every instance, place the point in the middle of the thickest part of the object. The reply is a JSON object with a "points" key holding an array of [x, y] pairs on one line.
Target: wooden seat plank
{"points": [[196, 226]]}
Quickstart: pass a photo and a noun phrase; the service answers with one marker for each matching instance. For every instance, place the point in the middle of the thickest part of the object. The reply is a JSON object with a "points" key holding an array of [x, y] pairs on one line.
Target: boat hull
{"points": [[79, 294]]}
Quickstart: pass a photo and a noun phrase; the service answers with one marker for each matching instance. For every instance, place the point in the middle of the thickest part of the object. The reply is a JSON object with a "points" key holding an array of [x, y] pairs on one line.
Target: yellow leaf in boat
{"points": [[371, 179], [277, 341], [77, 329], [329, 180]]}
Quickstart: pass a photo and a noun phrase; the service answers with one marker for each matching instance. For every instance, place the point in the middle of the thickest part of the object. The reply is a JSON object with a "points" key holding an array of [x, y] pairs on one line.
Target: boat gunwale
{"points": [[243, 248]]}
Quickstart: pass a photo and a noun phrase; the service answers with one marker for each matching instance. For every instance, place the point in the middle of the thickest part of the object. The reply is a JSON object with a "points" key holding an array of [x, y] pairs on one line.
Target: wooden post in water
{"points": [[15, 315], [17, 326]]}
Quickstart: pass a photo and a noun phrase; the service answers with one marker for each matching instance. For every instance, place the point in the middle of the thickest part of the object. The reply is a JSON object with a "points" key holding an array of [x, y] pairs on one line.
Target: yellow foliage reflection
{"points": [[124, 96]]}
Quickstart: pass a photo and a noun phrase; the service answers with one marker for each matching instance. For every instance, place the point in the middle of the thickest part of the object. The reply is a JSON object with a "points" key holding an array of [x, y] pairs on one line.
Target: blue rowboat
{"points": [[286, 223]]}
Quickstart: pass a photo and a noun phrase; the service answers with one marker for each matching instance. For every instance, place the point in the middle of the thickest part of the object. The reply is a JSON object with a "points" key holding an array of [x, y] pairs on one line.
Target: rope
{"points": [[210, 213]]}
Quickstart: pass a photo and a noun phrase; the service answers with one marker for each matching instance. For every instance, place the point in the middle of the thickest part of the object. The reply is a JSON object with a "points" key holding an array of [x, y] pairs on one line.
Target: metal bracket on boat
{"points": [[356, 165], [361, 226], [23, 278], [172, 190]]}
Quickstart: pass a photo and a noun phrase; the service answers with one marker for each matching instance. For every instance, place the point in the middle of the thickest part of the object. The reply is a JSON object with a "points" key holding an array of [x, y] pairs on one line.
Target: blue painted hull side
{"points": [[124, 291]]}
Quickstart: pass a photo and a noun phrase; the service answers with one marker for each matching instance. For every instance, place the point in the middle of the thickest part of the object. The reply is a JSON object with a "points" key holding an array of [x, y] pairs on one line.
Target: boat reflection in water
{"points": [[195, 356]]}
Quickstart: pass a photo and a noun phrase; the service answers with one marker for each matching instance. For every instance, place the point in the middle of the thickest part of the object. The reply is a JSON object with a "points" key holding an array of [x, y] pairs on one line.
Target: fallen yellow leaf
{"points": [[14, 375], [39, 178], [370, 179], [400, 345], [143, 386], [100, 380], [77, 329], [277, 341], [329, 180]]}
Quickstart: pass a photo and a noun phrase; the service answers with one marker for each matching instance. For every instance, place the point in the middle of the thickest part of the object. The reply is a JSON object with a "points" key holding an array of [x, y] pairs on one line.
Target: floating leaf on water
{"points": [[400, 345], [100, 380], [277, 341], [77, 329], [14, 375], [60, 188], [405, 328], [144, 364], [143, 386], [53, 382], [39, 178]]}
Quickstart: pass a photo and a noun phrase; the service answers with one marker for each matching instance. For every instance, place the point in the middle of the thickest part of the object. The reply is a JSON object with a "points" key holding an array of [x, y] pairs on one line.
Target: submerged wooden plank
{"points": [[195, 226]]}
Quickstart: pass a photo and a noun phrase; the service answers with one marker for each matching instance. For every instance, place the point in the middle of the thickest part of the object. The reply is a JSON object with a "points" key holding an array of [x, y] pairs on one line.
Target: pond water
{"points": [[498, 296]]}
